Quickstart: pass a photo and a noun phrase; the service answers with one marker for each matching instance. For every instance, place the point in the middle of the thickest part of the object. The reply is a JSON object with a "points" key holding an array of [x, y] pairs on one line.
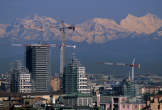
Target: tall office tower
{"points": [[74, 78], [37, 62]]}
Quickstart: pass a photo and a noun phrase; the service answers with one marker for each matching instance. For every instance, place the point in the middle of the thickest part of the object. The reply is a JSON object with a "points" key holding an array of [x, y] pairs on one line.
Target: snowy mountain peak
{"points": [[146, 24]]}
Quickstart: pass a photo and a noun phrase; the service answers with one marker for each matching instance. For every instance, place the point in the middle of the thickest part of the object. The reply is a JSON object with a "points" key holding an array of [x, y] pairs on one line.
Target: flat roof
{"points": [[37, 44], [7, 94]]}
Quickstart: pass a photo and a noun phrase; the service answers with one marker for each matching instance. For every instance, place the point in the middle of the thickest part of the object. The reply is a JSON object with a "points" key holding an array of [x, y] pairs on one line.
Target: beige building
{"points": [[150, 90], [154, 103], [55, 84]]}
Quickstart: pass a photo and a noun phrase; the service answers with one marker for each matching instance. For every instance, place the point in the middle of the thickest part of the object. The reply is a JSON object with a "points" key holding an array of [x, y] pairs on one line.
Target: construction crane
{"points": [[62, 46], [132, 65], [62, 29]]}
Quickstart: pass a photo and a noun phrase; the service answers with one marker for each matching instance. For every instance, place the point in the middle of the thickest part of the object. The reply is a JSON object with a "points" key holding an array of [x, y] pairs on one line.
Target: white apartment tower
{"points": [[25, 83], [82, 81]]}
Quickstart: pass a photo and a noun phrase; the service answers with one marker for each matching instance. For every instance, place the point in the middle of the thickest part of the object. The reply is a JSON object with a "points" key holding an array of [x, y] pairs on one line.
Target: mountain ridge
{"points": [[98, 30]]}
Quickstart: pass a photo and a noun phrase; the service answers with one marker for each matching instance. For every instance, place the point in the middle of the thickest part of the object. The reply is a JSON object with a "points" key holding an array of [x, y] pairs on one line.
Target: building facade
{"points": [[76, 100], [120, 103], [14, 80], [20, 80], [55, 84], [154, 102], [37, 62], [25, 85], [82, 80], [70, 80], [150, 90], [129, 88]]}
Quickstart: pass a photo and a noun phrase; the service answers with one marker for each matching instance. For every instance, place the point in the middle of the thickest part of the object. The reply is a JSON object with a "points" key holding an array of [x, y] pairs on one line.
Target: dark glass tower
{"points": [[37, 61], [70, 76]]}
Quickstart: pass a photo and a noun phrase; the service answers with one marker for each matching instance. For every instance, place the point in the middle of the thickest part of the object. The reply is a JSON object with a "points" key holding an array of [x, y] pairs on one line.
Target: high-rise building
{"points": [[37, 62], [74, 78]]}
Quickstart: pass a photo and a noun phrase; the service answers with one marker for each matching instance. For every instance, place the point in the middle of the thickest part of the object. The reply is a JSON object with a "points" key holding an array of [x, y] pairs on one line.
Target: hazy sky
{"points": [[76, 11]]}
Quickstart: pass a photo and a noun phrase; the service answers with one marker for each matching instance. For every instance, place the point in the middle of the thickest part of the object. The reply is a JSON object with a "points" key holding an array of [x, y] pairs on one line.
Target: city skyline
{"points": [[115, 51]]}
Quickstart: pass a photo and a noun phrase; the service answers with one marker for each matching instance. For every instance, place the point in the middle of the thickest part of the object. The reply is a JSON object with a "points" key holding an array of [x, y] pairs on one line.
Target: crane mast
{"points": [[62, 50], [62, 47]]}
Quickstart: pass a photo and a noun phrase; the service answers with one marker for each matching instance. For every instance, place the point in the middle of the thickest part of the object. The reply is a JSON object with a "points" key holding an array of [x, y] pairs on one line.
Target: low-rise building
{"points": [[150, 90], [154, 103], [119, 103], [76, 100]]}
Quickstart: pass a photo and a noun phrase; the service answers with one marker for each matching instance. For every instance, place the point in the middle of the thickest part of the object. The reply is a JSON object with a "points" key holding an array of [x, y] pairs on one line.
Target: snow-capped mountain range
{"points": [[99, 30]]}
